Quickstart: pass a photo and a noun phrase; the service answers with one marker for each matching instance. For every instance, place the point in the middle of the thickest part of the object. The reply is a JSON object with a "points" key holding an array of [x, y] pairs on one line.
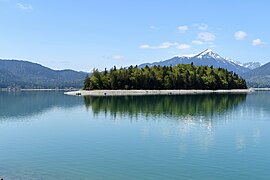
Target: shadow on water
{"points": [[177, 106], [23, 104]]}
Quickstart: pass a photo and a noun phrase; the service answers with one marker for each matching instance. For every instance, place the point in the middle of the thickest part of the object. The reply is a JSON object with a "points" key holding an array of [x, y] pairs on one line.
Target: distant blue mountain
{"points": [[24, 74], [208, 58], [259, 77]]}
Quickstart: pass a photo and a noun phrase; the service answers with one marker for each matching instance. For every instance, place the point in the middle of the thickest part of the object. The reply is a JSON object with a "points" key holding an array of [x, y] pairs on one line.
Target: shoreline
{"points": [[49, 89], [153, 92], [261, 89], [14, 89]]}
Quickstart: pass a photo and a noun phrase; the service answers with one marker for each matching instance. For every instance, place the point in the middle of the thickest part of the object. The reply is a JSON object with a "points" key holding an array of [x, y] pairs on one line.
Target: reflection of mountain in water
{"points": [[186, 105], [258, 102], [21, 104]]}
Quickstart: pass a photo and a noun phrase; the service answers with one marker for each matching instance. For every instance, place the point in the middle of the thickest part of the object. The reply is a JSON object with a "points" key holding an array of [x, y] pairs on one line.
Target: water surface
{"points": [[48, 135]]}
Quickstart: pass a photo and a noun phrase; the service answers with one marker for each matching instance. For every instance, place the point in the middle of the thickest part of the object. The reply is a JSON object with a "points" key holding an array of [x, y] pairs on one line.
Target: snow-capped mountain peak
{"points": [[208, 53]]}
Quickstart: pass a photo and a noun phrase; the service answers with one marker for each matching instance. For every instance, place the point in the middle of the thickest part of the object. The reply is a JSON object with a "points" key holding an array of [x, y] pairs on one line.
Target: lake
{"points": [[49, 135]]}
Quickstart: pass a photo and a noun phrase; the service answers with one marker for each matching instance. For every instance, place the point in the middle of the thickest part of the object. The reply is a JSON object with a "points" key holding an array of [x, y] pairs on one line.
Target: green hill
{"points": [[24, 74]]}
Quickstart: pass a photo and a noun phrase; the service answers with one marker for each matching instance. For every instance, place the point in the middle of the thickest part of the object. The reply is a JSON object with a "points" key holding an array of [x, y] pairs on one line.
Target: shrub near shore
{"points": [[182, 76]]}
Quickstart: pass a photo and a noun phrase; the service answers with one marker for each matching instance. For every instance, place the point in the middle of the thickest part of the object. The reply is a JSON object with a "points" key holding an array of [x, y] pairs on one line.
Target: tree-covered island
{"points": [[182, 76]]}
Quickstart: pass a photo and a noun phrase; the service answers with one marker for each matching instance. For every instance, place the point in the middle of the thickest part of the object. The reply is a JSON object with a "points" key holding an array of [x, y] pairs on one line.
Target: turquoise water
{"points": [[48, 135]]}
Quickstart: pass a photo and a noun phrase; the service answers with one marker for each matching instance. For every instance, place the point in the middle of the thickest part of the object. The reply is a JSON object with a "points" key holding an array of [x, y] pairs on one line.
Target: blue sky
{"points": [[82, 35]]}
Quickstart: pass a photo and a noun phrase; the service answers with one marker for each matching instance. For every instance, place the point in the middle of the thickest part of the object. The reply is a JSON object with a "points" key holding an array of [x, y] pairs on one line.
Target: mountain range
{"points": [[256, 74], [24, 74], [208, 58], [259, 77]]}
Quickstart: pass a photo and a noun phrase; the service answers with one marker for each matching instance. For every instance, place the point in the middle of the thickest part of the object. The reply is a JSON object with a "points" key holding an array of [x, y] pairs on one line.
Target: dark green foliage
{"points": [[182, 76], [86, 84]]}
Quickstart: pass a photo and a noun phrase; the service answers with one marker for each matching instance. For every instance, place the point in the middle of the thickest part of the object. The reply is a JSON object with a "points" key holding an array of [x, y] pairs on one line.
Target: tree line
{"points": [[182, 76]]}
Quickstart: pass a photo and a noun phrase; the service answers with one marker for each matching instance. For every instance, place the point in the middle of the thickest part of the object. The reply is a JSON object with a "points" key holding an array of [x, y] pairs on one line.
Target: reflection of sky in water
{"points": [[21, 106], [256, 135], [204, 130], [217, 137], [204, 125]]}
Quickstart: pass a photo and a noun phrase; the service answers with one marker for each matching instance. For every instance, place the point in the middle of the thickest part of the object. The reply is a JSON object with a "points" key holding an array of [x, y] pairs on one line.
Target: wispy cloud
{"points": [[258, 42], [240, 35], [24, 7], [117, 57], [197, 42], [203, 26], [145, 46], [164, 45], [184, 46], [153, 27], [182, 29], [206, 36]]}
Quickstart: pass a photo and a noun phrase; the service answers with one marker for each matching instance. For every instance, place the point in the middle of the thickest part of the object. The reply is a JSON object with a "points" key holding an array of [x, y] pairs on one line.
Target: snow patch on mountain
{"points": [[252, 65]]}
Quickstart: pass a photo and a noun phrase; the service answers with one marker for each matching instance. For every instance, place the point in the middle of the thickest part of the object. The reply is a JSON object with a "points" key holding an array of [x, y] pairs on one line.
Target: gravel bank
{"points": [[151, 92]]}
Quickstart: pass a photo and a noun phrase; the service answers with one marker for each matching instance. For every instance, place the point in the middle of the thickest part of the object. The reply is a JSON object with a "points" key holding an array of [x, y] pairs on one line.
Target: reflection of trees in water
{"points": [[188, 106], [20, 104]]}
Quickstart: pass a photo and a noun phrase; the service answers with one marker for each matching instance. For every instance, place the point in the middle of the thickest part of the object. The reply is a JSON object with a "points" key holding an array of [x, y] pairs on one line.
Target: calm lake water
{"points": [[48, 135]]}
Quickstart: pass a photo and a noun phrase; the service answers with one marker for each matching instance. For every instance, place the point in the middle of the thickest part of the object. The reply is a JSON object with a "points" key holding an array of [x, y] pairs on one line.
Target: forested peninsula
{"points": [[182, 76]]}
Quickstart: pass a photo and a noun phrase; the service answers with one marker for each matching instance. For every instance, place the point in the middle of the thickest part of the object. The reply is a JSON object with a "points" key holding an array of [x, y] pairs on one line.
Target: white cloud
{"points": [[197, 42], [118, 57], [182, 28], [145, 46], [168, 44], [24, 7], [258, 42], [206, 36], [184, 46], [153, 27], [164, 45], [202, 26], [240, 35]]}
